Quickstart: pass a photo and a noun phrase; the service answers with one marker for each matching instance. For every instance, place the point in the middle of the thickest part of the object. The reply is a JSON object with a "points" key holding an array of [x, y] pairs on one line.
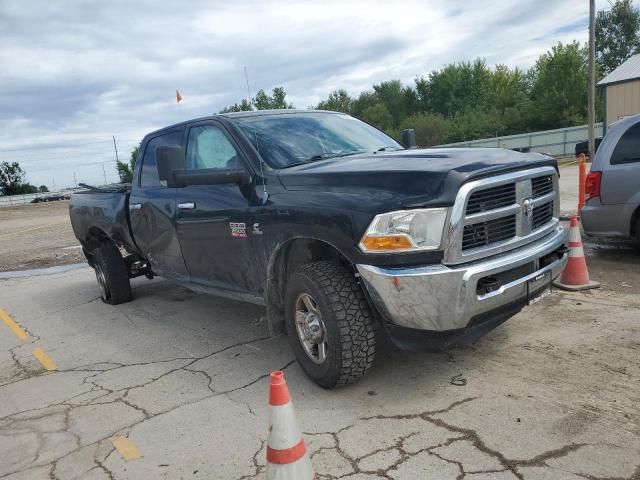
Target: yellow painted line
{"points": [[15, 328], [44, 359], [126, 448], [569, 164]]}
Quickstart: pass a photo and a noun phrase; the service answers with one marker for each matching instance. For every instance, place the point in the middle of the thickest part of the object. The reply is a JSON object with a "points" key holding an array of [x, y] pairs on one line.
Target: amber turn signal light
{"points": [[387, 242]]}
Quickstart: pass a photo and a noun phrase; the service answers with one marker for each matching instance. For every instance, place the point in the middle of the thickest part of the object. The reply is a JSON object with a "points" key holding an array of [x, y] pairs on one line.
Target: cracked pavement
{"points": [[552, 394]]}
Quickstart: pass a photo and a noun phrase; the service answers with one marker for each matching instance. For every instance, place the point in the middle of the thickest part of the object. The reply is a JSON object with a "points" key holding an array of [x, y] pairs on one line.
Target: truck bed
{"points": [[105, 210]]}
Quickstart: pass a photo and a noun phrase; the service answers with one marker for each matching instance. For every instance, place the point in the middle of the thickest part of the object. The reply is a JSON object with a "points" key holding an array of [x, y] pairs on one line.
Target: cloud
{"points": [[74, 73]]}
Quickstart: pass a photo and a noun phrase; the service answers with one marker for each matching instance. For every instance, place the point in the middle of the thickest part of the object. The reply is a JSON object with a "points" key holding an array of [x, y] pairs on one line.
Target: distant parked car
{"points": [[613, 186], [583, 147], [50, 198]]}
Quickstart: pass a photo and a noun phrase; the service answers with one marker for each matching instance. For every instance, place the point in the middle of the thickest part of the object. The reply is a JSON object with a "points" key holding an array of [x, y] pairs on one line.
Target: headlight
{"points": [[405, 230]]}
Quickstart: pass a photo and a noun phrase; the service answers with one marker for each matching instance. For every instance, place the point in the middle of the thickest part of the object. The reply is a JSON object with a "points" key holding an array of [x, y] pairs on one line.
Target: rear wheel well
{"points": [[292, 255], [95, 239]]}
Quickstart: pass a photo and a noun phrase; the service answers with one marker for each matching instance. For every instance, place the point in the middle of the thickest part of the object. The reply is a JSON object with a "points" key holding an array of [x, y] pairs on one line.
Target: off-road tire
{"points": [[109, 264], [349, 325]]}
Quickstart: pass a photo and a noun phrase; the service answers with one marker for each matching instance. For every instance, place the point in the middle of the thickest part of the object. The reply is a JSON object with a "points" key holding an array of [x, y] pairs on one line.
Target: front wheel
{"points": [[329, 324]]}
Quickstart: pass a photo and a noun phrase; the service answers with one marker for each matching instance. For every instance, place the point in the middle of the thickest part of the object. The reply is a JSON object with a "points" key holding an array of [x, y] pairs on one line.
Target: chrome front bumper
{"points": [[440, 298]]}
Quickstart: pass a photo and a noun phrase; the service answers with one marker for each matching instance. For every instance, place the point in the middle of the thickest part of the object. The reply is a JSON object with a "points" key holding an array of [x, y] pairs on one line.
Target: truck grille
{"points": [[491, 198], [541, 186], [495, 214], [486, 233], [542, 215]]}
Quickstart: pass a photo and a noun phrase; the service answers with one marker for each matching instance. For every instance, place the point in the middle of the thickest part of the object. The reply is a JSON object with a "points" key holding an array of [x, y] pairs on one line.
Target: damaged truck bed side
{"points": [[343, 233]]}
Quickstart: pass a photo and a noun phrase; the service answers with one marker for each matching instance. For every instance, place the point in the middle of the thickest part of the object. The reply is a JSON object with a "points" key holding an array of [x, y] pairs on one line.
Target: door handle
{"points": [[187, 205], [135, 206]]}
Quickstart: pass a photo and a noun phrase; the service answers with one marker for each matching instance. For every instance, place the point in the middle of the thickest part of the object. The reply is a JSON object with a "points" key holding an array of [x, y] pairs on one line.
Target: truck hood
{"points": [[422, 176]]}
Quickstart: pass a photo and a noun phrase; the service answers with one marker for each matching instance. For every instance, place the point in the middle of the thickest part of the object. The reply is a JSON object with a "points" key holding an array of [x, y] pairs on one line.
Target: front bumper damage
{"points": [[437, 306]]}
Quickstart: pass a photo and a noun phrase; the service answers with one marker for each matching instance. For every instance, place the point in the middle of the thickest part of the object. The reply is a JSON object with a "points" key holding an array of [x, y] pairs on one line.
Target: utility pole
{"points": [[116, 149], [105, 174], [591, 87]]}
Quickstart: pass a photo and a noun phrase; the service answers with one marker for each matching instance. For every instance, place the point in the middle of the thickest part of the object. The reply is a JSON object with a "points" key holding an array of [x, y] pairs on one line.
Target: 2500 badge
{"points": [[238, 230]]}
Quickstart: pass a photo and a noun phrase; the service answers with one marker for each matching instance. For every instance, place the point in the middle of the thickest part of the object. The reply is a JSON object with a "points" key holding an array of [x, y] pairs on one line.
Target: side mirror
{"points": [[169, 160], [409, 138], [211, 176]]}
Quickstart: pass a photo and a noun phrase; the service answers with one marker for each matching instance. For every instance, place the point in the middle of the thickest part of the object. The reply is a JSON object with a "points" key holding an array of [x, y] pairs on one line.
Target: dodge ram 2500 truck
{"points": [[340, 231]]}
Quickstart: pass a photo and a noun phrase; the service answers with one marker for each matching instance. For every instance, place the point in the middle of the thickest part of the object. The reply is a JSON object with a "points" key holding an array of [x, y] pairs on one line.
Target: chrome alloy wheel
{"points": [[310, 328], [102, 283]]}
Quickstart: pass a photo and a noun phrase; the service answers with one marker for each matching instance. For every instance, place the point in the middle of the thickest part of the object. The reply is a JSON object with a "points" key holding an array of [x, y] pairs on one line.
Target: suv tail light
{"points": [[592, 185]]}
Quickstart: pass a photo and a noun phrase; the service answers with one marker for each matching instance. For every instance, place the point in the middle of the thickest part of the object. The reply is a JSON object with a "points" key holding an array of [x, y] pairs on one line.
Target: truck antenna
{"points": [[246, 77]]}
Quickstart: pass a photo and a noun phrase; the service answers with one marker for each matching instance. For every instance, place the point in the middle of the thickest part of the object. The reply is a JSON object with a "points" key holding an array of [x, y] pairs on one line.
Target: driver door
{"points": [[213, 220]]}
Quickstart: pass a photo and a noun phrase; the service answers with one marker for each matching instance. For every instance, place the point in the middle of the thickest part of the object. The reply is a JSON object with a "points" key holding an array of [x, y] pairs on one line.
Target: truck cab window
{"points": [[149, 172], [208, 147], [628, 148]]}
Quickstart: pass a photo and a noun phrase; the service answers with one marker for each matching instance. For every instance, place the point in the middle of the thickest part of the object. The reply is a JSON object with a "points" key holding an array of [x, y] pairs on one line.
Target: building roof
{"points": [[629, 70]]}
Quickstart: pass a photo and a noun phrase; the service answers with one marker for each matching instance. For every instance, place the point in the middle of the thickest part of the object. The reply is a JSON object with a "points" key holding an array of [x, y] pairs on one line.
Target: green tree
{"points": [[43, 189], [365, 100], [477, 123], [506, 89], [125, 169], [617, 35], [379, 116], [277, 100], [243, 106], [262, 101], [431, 128], [11, 178], [559, 87], [338, 101], [26, 188], [396, 98], [454, 88]]}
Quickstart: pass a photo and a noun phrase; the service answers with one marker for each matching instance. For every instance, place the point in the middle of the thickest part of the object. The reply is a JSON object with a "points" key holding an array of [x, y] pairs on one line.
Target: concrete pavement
{"points": [[552, 394]]}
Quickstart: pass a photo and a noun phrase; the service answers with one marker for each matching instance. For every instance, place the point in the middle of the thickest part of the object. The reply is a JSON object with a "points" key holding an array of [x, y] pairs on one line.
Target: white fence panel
{"points": [[559, 143]]}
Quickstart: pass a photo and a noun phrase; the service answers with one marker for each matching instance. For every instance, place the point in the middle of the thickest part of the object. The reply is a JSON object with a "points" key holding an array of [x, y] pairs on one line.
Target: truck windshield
{"points": [[284, 140]]}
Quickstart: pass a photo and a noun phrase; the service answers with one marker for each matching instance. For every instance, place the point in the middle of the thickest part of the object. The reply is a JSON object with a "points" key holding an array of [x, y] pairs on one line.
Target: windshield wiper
{"points": [[388, 149], [324, 156]]}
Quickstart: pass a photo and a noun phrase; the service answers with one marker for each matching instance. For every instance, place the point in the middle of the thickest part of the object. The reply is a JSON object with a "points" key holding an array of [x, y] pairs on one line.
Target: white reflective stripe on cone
{"points": [[300, 470], [574, 234], [576, 252], [283, 428]]}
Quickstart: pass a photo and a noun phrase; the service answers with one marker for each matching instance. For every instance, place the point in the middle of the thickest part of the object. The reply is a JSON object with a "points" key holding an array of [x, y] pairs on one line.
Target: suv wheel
{"points": [[329, 324], [112, 275]]}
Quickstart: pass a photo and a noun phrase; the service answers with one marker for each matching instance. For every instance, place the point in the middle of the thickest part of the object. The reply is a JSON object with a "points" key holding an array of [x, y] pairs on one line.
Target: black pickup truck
{"points": [[340, 231]]}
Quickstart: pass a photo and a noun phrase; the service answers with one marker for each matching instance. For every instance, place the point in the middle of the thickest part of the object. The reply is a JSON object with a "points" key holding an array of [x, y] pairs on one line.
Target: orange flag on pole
{"points": [[178, 97]]}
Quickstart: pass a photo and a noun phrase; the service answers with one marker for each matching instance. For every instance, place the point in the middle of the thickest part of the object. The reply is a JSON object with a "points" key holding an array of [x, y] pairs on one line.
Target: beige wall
{"points": [[623, 99]]}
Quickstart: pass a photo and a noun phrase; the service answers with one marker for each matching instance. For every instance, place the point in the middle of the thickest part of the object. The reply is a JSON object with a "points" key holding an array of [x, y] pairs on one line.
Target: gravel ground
{"points": [[37, 235]]}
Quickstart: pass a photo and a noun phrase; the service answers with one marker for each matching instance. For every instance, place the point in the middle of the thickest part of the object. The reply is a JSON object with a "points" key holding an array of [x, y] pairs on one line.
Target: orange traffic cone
{"points": [[575, 275], [287, 457]]}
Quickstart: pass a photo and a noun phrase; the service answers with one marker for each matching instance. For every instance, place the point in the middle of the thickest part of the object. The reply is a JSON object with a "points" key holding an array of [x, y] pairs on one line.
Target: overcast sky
{"points": [[74, 73]]}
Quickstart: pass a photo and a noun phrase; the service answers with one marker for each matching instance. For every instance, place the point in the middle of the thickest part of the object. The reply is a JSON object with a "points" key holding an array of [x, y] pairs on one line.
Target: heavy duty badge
{"points": [[238, 230]]}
